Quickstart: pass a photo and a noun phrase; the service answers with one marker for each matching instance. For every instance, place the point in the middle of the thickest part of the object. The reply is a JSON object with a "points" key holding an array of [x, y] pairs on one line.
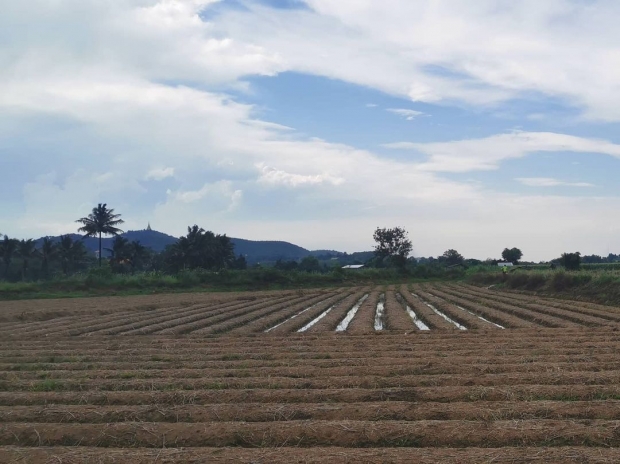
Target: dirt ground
{"points": [[201, 378]]}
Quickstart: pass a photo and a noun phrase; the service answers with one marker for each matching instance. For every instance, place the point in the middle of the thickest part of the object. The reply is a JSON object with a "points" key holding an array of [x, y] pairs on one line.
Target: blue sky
{"points": [[474, 126]]}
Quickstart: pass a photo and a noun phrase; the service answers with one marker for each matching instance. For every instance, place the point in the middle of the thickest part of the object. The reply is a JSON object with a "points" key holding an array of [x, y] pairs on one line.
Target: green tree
{"points": [[286, 265], [453, 257], [8, 247], [26, 250], [101, 221], [137, 255], [571, 261], [392, 244], [310, 264], [200, 249], [179, 254], [239, 263], [48, 252], [71, 253], [119, 253], [512, 255]]}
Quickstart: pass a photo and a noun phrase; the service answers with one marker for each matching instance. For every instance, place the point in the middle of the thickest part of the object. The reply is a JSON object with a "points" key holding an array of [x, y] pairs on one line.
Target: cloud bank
{"points": [[134, 103]]}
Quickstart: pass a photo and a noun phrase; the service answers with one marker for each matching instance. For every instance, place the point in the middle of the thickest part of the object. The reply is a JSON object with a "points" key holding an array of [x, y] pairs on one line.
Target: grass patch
{"points": [[600, 285], [47, 385], [95, 283], [160, 358]]}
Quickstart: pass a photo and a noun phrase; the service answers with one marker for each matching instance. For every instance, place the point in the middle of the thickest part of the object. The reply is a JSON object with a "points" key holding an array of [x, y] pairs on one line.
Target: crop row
{"points": [[307, 433], [316, 455], [276, 412], [419, 308], [400, 394]]}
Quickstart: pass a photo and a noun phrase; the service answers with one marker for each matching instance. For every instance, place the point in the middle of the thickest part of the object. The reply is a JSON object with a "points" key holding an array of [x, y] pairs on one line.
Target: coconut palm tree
{"points": [[8, 246], [138, 254], [101, 221], [26, 249], [71, 253], [48, 252], [119, 253], [182, 252], [119, 250]]}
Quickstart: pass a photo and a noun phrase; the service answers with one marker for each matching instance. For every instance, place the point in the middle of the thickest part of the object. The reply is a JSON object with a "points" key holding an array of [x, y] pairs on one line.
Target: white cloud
{"points": [[272, 176], [433, 51], [51, 203], [549, 182], [371, 105], [409, 115], [159, 173], [487, 153], [122, 88], [221, 190]]}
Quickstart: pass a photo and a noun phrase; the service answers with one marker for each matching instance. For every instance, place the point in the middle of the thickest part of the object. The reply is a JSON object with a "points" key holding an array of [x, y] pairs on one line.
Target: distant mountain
{"points": [[152, 239], [157, 241], [268, 251], [326, 253], [254, 251], [360, 257]]}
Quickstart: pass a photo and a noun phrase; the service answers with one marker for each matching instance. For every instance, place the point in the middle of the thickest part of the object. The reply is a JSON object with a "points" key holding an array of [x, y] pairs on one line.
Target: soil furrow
{"points": [[265, 323], [538, 317], [396, 317], [423, 312], [430, 366], [364, 320], [316, 455], [168, 323], [257, 316], [276, 412], [444, 433], [578, 318], [452, 310], [608, 312], [577, 344], [448, 394], [329, 322], [182, 325], [359, 381], [505, 319], [296, 323], [321, 359]]}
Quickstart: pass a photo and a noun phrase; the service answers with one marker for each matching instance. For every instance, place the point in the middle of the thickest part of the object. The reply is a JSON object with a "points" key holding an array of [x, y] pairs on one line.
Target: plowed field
{"points": [[426, 373]]}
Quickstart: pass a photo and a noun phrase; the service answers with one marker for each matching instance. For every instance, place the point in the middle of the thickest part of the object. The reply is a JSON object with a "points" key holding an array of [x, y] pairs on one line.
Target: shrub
{"points": [[571, 261], [188, 278], [517, 280], [98, 277], [536, 281], [559, 281]]}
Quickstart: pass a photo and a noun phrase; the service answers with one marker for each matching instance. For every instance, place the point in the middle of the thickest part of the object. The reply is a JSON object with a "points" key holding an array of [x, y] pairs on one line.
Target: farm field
{"points": [[422, 373]]}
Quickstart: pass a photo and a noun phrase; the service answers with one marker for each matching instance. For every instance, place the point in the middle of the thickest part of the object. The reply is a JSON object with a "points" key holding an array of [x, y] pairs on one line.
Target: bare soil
{"points": [[170, 379], [316, 455]]}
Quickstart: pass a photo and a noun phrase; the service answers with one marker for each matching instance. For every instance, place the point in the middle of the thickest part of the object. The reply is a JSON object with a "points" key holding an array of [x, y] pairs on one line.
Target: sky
{"points": [[475, 126]]}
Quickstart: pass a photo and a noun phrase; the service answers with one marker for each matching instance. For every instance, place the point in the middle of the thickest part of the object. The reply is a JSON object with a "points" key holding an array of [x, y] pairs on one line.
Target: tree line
{"points": [[393, 248], [29, 260], [201, 249]]}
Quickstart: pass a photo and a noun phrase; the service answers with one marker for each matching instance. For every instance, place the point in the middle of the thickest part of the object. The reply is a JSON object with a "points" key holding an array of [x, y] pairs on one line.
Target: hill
{"points": [[157, 241], [254, 251], [268, 251]]}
